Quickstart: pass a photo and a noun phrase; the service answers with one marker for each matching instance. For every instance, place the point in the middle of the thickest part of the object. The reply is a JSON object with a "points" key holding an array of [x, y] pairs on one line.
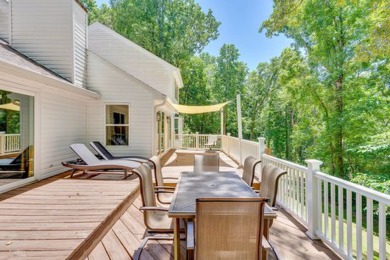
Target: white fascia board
{"points": [[49, 81]]}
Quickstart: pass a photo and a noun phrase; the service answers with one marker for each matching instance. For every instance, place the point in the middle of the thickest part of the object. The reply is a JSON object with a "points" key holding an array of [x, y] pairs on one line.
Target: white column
{"points": [[221, 111], [239, 119], [197, 141], [228, 144], [261, 146], [313, 216]]}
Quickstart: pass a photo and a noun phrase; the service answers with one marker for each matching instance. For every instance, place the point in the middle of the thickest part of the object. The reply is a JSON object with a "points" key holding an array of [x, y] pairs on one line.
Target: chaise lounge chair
{"points": [[106, 155], [92, 163], [16, 166]]}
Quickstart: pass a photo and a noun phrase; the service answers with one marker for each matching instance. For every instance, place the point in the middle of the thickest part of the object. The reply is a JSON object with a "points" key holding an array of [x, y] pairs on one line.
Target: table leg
{"points": [[176, 239]]}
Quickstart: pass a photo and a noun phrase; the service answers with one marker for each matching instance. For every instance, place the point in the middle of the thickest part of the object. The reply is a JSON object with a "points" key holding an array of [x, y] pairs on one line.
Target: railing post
{"points": [[2, 143], [197, 141], [228, 144], [313, 216], [261, 146]]}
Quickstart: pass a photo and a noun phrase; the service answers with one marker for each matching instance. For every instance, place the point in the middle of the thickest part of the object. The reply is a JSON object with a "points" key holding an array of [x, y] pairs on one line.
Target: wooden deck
{"points": [[59, 217], [98, 217]]}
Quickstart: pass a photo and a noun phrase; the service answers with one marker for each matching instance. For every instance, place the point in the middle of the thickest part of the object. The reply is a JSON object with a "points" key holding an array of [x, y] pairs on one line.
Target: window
{"points": [[117, 124]]}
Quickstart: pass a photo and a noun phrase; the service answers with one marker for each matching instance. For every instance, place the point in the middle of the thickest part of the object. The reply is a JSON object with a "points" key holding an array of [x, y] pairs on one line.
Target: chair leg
{"points": [[138, 252]]}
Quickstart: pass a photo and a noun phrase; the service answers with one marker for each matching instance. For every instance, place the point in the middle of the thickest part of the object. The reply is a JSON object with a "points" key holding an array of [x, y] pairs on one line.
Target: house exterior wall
{"points": [[80, 19], [117, 87], [59, 120], [53, 33], [131, 58], [4, 24]]}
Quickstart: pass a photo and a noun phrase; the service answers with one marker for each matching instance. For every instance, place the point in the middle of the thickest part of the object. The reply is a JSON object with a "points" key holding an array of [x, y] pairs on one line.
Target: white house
{"points": [[76, 84]]}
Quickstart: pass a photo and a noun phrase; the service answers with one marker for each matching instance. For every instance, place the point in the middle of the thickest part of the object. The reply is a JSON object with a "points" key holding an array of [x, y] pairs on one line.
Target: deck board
{"points": [[52, 218]]}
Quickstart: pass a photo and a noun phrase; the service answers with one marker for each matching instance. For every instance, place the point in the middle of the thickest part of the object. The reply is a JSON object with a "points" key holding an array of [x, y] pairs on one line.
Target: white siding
{"points": [[4, 24], [115, 86], [131, 58], [63, 122], [80, 20], [53, 33], [60, 120]]}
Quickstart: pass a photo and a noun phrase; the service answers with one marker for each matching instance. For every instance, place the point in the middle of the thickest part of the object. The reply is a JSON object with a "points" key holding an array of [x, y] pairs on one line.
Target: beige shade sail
{"points": [[11, 106], [198, 109]]}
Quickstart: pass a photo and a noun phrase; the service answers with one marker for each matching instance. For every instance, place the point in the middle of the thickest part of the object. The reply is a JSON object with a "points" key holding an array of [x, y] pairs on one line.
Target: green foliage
{"points": [[327, 97], [332, 35]]}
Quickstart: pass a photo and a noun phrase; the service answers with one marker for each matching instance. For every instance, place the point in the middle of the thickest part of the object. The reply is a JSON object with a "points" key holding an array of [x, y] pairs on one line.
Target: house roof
{"points": [[10, 55], [133, 59], [15, 61]]}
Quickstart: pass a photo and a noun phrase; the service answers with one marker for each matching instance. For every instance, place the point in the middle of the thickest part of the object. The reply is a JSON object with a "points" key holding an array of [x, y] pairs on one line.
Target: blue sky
{"points": [[240, 22]]}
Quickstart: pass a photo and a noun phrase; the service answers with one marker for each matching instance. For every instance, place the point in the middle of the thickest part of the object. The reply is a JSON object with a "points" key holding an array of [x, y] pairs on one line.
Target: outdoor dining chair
{"points": [[207, 162], [248, 173], [270, 176], [222, 230], [164, 193], [155, 218]]}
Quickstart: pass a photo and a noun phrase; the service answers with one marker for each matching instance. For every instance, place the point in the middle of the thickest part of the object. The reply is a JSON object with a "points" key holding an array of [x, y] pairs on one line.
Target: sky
{"points": [[240, 23]]}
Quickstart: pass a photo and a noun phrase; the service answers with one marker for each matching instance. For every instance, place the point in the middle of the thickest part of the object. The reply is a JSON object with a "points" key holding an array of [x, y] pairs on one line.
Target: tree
{"points": [[174, 30], [229, 80], [329, 33]]}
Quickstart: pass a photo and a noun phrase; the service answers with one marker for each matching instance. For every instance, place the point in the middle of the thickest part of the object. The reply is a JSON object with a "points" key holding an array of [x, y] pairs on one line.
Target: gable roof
{"points": [[134, 59]]}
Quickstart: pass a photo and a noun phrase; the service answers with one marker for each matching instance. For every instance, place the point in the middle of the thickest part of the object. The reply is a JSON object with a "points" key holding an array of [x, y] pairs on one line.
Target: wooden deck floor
{"points": [[56, 218], [99, 218]]}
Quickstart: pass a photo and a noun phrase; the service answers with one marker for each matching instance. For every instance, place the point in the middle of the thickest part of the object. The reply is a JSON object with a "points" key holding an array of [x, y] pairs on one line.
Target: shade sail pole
{"points": [[239, 122]]}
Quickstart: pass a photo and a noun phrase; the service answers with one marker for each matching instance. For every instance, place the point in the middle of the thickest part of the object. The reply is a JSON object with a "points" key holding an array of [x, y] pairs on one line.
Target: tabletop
{"points": [[208, 185]]}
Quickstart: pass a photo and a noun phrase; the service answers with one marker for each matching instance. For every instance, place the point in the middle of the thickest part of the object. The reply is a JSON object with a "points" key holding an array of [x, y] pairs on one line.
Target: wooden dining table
{"points": [[192, 185]]}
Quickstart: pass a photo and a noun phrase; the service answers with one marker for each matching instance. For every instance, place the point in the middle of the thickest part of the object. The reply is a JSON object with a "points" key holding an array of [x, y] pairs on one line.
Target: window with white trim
{"points": [[117, 124]]}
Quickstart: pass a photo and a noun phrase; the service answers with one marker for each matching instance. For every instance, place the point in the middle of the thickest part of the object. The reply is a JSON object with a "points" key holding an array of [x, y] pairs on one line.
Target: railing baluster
{"points": [[349, 223], [370, 232], [326, 206], [382, 231], [359, 227], [319, 198], [333, 212], [303, 211], [341, 217]]}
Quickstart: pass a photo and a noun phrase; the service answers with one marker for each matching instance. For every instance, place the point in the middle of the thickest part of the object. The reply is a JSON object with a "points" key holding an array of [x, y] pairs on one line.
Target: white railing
{"points": [[325, 205], [9, 143], [196, 141], [342, 214]]}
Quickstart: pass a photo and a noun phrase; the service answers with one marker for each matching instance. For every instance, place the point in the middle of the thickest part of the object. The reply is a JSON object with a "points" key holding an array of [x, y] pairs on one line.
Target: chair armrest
{"points": [[164, 191], [153, 208], [190, 235], [170, 178], [165, 187], [265, 244]]}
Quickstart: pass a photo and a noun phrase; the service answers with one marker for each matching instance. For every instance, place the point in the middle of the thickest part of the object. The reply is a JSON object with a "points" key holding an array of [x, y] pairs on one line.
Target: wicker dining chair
{"points": [[248, 173], [222, 230], [208, 162]]}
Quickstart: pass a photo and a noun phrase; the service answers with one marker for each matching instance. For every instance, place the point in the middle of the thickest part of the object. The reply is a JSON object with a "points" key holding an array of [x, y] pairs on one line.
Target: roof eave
{"points": [[51, 82]]}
